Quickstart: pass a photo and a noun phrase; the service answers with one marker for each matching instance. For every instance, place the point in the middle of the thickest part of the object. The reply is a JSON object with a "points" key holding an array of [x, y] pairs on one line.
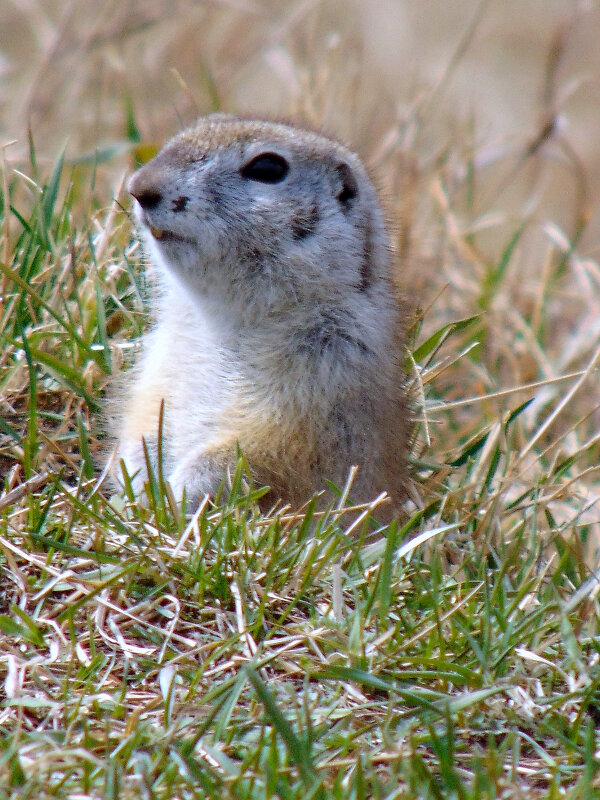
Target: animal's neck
{"points": [[256, 320], [305, 360]]}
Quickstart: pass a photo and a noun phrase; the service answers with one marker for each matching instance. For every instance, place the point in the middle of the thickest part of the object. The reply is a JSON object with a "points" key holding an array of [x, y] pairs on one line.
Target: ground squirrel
{"points": [[277, 325]]}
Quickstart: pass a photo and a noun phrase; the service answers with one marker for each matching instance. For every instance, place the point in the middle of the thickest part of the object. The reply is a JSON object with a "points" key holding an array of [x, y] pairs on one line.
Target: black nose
{"points": [[145, 189], [148, 199]]}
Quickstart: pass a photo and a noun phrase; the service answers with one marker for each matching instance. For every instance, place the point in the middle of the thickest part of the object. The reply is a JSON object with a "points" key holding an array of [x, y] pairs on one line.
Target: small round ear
{"points": [[348, 185]]}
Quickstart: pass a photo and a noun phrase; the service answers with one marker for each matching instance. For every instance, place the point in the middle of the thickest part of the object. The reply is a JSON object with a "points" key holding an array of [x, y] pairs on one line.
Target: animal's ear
{"points": [[346, 185]]}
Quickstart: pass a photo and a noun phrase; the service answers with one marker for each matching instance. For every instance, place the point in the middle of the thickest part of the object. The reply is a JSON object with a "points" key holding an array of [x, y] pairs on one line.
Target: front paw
{"points": [[195, 483]]}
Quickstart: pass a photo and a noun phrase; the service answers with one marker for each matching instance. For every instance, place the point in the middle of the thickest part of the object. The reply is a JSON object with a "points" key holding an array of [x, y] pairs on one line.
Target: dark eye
{"points": [[266, 168]]}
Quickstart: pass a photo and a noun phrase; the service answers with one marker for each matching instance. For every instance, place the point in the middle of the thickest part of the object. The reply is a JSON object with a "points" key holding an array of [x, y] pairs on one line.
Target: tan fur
{"points": [[277, 326]]}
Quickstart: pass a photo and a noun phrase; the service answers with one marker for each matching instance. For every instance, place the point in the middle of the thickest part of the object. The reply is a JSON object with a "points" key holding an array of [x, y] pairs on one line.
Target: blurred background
{"points": [[493, 78], [496, 77], [479, 119], [488, 86]]}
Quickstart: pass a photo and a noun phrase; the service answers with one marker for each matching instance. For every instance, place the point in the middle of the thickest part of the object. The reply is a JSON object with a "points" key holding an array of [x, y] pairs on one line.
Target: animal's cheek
{"points": [[305, 221], [212, 196]]}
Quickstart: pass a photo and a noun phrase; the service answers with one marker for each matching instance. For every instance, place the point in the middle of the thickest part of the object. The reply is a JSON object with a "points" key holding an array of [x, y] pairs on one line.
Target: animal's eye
{"points": [[266, 168]]}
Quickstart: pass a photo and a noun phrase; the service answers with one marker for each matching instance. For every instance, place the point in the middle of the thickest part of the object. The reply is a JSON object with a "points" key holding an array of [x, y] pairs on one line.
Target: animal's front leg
{"points": [[201, 473]]}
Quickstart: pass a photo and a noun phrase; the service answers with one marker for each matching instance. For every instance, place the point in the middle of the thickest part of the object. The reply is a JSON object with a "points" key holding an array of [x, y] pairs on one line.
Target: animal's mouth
{"points": [[164, 235], [161, 235]]}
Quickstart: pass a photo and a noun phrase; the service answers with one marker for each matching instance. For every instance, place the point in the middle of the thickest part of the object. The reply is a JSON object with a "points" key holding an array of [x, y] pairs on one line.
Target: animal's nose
{"points": [[145, 189]]}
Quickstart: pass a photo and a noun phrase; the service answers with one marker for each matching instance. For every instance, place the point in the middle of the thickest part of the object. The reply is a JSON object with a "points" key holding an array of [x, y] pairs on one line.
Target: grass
{"points": [[146, 652]]}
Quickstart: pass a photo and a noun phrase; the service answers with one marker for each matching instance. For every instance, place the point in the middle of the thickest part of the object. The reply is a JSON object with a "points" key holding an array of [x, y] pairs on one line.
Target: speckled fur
{"points": [[277, 327]]}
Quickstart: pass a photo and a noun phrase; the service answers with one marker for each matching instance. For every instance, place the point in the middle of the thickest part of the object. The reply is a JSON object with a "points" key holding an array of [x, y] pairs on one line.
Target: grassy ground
{"points": [[455, 654]]}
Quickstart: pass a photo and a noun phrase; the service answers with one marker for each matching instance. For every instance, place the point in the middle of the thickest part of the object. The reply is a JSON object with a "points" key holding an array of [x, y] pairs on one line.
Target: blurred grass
{"points": [[300, 654]]}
